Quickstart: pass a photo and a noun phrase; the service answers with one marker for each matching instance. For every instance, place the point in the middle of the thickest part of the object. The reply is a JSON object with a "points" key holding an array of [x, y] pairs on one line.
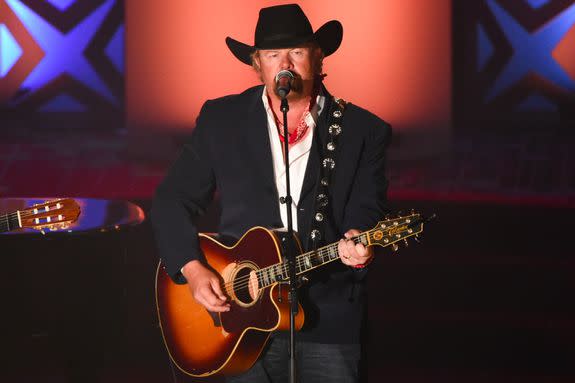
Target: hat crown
{"points": [[286, 26], [280, 23]]}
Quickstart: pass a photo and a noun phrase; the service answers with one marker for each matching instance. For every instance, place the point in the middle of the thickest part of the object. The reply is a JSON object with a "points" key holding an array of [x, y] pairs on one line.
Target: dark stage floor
{"points": [[486, 297]]}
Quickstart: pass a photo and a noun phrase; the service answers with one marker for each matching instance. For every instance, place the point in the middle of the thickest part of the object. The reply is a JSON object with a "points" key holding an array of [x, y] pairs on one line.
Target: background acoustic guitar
{"points": [[53, 215]]}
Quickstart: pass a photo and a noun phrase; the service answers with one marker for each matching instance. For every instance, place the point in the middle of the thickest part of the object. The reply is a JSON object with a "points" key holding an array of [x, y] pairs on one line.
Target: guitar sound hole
{"points": [[241, 286]]}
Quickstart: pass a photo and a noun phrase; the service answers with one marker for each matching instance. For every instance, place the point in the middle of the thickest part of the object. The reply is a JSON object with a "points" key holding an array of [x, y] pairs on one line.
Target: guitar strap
{"points": [[328, 151]]}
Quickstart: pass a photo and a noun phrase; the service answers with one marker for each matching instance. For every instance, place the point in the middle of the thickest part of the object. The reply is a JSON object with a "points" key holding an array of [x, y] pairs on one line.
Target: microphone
{"points": [[284, 79]]}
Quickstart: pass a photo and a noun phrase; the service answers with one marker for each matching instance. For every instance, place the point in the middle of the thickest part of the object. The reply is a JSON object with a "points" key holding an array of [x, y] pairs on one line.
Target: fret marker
{"points": [[333, 252], [60, 217], [58, 206], [272, 275], [37, 220]]}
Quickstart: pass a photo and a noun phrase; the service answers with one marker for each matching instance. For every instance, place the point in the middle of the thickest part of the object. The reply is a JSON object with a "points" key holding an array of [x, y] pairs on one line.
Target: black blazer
{"points": [[229, 152]]}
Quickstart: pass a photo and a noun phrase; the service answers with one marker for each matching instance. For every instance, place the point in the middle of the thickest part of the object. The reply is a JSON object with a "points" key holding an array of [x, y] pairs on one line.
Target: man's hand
{"points": [[353, 254], [205, 287]]}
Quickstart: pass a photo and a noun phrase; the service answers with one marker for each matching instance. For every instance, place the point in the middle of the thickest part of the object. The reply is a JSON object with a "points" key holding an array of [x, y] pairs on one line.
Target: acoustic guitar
{"points": [[202, 343], [53, 215]]}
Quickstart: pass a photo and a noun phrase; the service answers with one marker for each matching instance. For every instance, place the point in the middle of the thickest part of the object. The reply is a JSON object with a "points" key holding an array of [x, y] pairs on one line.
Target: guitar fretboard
{"points": [[9, 222], [306, 262], [384, 234]]}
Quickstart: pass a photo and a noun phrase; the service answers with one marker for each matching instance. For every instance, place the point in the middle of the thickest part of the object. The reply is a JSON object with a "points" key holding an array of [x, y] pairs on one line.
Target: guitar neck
{"points": [[308, 261], [385, 233], [10, 221], [324, 255]]}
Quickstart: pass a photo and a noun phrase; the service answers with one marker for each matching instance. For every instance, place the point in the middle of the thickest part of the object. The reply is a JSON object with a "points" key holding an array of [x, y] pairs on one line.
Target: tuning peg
{"points": [[416, 238], [405, 241], [395, 247]]}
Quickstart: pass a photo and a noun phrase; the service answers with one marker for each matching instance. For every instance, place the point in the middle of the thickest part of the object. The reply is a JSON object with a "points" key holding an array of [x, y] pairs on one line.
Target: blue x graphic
{"points": [[64, 53], [532, 52]]}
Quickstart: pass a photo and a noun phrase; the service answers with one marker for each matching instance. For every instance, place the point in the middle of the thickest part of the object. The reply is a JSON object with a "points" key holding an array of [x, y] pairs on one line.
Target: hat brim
{"points": [[328, 37]]}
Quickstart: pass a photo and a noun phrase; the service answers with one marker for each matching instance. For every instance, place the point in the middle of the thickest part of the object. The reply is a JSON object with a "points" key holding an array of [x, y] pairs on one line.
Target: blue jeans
{"points": [[315, 362]]}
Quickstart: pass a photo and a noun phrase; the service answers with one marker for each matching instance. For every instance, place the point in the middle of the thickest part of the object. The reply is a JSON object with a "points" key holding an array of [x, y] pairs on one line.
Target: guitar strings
{"points": [[243, 282], [23, 214], [300, 261], [30, 210], [26, 213]]}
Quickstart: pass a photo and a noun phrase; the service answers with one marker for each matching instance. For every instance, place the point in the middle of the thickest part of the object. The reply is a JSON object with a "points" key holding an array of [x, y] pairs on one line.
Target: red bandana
{"points": [[302, 126], [298, 133]]}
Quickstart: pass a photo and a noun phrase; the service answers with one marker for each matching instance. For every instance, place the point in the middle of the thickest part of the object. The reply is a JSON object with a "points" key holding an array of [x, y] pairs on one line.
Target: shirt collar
{"points": [[311, 118]]}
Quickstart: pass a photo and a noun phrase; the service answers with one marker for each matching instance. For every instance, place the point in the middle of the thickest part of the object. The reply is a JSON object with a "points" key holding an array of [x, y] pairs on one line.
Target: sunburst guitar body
{"points": [[202, 343], [253, 276]]}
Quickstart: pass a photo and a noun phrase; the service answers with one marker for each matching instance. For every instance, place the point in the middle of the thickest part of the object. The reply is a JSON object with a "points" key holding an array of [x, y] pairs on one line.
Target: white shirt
{"points": [[298, 156]]}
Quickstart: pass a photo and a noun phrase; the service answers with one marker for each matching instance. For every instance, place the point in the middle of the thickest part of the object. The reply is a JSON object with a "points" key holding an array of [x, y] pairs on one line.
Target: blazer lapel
{"points": [[319, 139], [258, 141]]}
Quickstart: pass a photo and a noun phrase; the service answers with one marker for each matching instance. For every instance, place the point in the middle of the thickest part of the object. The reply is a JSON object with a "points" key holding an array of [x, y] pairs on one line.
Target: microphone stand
{"points": [[290, 253]]}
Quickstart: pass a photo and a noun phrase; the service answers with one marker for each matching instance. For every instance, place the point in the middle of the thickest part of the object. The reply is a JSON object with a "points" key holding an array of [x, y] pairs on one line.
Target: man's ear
{"points": [[256, 61]]}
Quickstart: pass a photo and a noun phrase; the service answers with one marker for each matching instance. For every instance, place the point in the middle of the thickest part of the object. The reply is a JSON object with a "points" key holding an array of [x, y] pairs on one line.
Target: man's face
{"points": [[302, 61]]}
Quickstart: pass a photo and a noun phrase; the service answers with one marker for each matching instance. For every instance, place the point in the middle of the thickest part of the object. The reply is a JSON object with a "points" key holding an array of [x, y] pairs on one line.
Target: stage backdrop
{"points": [[514, 65], [395, 60], [61, 65]]}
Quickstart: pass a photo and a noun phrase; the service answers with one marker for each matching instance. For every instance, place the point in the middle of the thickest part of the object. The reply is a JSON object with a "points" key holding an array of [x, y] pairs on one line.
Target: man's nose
{"points": [[286, 62]]}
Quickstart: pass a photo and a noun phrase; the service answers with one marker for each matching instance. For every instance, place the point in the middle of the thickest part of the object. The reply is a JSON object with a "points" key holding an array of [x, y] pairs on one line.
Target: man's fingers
{"points": [[211, 297], [206, 296], [361, 250], [213, 308], [353, 254], [351, 233], [215, 283], [351, 248], [342, 249]]}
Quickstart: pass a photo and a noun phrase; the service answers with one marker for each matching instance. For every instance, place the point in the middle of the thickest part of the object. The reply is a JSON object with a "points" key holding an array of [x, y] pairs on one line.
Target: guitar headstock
{"points": [[393, 230], [51, 215]]}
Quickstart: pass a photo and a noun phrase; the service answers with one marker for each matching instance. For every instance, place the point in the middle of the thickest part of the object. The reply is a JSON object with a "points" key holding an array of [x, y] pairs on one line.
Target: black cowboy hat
{"points": [[286, 26]]}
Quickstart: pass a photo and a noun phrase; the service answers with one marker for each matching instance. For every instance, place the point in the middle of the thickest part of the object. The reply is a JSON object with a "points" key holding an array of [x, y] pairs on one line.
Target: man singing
{"points": [[338, 188]]}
